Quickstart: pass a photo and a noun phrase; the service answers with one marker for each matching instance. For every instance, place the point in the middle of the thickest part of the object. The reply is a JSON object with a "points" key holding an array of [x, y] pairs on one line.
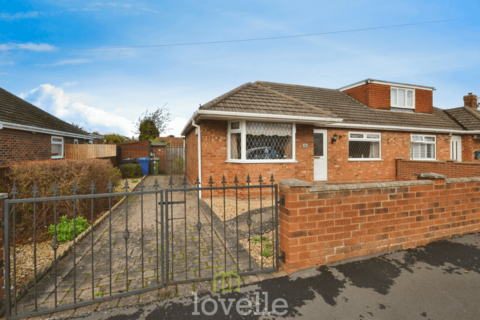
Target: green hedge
{"points": [[131, 170]]}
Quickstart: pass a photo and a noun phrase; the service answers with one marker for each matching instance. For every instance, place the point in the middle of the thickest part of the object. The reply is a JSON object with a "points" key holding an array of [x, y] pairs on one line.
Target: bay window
{"points": [[364, 146], [255, 141], [423, 147]]}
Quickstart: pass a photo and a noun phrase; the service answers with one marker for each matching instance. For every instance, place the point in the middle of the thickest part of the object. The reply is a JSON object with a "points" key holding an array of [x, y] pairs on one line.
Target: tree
{"points": [[160, 119], [148, 130], [115, 138]]}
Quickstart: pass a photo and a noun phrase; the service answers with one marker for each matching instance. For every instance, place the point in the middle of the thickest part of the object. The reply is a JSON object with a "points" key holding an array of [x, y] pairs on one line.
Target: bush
{"points": [[65, 228], [131, 170], [64, 173]]}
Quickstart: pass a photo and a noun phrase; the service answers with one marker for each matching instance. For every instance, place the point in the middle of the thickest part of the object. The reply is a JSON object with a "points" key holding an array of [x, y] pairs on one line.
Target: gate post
{"points": [[3, 196]]}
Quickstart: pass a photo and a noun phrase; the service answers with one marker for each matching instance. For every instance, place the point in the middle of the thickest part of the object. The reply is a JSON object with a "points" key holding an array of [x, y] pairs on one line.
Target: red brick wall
{"points": [[191, 146], [140, 149], [2, 260], [174, 141], [319, 225], [18, 146], [469, 146], [423, 101], [407, 168], [376, 96]]}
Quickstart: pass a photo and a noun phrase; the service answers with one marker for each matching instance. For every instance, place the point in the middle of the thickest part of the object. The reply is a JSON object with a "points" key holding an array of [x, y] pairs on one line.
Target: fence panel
{"points": [[90, 151]]}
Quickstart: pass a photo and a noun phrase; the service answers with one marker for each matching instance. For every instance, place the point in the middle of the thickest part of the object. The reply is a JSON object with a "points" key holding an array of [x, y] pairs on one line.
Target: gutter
{"points": [[199, 147], [8, 125], [395, 128]]}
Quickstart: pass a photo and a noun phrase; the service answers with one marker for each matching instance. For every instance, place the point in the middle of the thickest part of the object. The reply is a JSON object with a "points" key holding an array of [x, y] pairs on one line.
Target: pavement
{"points": [[438, 281]]}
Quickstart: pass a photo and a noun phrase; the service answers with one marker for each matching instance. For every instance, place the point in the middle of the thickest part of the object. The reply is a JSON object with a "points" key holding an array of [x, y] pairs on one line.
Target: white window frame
{"points": [[75, 141], [59, 143], [423, 142], [243, 131], [365, 139], [395, 105], [90, 141]]}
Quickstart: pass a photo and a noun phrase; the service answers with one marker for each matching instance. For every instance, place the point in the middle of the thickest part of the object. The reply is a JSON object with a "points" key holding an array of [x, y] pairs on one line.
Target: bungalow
{"points": [[354, 134], [28, 133]]}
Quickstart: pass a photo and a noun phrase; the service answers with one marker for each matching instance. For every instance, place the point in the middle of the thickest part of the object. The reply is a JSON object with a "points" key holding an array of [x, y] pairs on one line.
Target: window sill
{"points": [[431, 160], [262, 161], [57, 157], [364, 160]]}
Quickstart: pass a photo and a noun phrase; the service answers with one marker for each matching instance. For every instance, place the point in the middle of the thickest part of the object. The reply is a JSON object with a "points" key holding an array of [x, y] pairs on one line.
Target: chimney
{"points": [[470, 100]]}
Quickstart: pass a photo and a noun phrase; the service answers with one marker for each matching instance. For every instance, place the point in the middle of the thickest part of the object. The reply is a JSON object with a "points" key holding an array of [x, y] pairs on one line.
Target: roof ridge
{"points": [[224, 96], [295, 85], [473, 113], [258, 85]]}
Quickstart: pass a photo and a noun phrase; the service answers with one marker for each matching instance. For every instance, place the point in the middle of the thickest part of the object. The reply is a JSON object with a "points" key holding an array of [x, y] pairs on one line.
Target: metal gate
{"points": [[156, 237]]}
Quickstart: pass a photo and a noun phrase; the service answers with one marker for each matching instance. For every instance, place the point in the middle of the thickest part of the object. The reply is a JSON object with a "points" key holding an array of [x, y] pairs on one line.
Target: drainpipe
{"points": [[199, 147]]}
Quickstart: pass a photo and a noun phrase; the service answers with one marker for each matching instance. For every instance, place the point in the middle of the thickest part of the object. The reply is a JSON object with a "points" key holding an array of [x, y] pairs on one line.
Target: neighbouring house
{"points": [[27, 133], [369, 131], [172, 141]]}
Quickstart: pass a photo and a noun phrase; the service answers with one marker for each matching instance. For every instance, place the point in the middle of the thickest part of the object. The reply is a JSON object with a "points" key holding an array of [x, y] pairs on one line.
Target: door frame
{"points": [[325, 153], [459, 151]]}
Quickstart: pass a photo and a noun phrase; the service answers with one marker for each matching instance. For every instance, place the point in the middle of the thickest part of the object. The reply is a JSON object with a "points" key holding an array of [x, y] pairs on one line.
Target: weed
{"points": [[99, 294], [65, 228], [134, 180]]}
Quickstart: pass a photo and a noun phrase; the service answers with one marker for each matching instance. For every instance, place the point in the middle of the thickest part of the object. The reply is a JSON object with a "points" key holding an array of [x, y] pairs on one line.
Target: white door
{"points": [[319, 155], [456, 148]]}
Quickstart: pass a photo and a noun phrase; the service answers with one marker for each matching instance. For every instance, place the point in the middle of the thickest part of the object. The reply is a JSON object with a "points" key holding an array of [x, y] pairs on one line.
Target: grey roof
{"points": [[18, 111], [255, 98], [355, 112], [467, 117]]}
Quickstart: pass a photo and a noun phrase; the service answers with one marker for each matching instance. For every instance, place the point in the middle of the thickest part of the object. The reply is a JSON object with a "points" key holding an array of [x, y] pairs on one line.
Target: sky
{"points": [[46, 60]]}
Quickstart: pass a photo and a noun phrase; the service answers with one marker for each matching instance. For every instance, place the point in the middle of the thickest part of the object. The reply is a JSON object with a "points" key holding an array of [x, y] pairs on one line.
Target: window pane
{"points": [[429, 138], [422, 151], [56, 149], [235, 125], [373, 136], [417, 138], [57, 140], [401, 98], [393, 96], [356, 135], [235, 146], [409, 98], [269, 141], [318, 144], [364, 149]]}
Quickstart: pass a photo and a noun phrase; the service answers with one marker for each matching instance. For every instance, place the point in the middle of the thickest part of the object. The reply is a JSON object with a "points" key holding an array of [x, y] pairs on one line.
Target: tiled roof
{"points": [[466, 117], [16, 110], [354, 112], [255, 98]]}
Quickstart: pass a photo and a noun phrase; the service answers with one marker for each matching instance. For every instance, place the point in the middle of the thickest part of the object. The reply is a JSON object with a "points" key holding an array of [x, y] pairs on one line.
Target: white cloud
{"points": [[176, 126], [68, 84], [55, 101], [27, 46], [18, 15], [3, 73], [66, 62]]}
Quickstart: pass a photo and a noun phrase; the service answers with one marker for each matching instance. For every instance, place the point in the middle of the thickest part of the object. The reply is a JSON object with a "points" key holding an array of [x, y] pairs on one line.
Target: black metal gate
{"points": [[178, 233]]}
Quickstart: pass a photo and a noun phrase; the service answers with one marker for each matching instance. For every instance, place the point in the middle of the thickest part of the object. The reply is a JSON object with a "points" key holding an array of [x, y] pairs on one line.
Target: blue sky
{"points": [[109, 89]]}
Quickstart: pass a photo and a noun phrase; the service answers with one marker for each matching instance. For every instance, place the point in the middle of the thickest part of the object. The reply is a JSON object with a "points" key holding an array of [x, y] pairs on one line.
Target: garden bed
{"points": [[256, 246], [231, 206]]}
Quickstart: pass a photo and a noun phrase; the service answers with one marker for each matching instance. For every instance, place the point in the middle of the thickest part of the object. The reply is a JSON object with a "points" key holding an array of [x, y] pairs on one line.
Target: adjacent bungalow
{"points": [[28, 133], [354, 134]]}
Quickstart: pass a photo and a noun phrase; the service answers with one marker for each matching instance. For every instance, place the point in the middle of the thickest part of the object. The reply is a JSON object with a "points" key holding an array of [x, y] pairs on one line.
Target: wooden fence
{"points": [[90, 151]]}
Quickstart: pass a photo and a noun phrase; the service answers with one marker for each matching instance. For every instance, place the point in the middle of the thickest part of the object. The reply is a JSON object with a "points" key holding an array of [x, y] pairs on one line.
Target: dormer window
{"points": [[402, 98]]}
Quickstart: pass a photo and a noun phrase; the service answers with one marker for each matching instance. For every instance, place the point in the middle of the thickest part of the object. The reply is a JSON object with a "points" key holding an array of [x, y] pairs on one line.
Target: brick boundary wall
{"points": [[406, 169], [3, 196], [323, 224]]}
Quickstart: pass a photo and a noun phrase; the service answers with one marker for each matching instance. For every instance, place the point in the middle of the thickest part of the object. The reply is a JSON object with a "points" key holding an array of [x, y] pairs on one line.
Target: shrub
{"points": [[131, 170], [65, 228], [64, 173]]}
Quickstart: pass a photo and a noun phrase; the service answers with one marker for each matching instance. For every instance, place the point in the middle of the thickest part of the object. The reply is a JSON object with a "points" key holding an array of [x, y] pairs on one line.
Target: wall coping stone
{"points": [[3, 196], [431, 175], [295, 183], [376, 185], [462, 180]]}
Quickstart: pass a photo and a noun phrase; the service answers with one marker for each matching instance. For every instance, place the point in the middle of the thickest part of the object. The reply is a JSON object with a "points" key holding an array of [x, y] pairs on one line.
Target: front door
{"points": [[456, 148], [319, 155]]}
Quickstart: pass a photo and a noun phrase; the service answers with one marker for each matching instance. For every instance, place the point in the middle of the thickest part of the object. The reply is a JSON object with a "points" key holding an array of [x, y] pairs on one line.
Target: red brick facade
{"points": [[469, 146], [18, 146], [340, 168], [377, 96], [321, 224], [173, 141]]}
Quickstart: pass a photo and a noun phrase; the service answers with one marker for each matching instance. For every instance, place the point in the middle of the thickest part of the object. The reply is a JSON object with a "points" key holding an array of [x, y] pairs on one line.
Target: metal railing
{"points": [[93, 262]]}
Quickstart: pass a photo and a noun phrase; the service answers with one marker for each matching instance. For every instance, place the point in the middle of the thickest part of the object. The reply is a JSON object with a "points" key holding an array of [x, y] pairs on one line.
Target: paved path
{"points": [[438, 281], [190, 254]]}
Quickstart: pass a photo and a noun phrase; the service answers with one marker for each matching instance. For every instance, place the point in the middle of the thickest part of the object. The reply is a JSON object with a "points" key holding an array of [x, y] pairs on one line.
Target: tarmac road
{"points": [[438, 281]]}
